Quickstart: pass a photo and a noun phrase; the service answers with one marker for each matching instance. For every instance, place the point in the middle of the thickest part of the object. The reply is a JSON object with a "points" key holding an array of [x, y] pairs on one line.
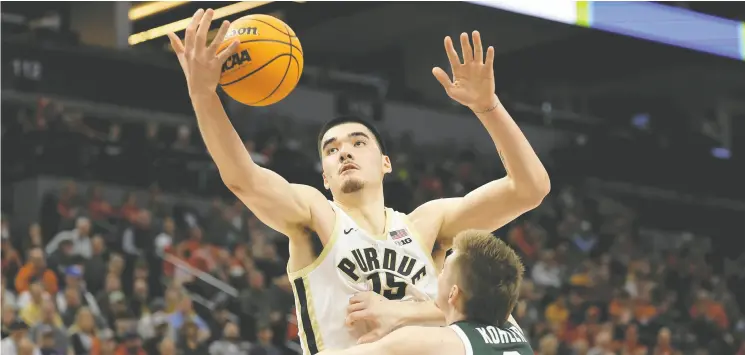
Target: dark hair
{"points": [[489, 274], [351, 119]]}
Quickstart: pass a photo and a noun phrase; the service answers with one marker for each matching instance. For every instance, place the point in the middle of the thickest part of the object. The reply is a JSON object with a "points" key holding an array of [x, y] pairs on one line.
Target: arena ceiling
{"points": [[370, 37]]}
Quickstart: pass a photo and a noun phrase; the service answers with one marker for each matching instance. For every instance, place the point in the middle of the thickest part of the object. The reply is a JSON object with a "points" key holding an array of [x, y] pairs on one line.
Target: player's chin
{"points": [[352, 184]]}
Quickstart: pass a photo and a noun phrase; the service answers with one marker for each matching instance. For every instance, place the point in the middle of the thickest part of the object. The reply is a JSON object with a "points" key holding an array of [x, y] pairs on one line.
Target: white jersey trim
{"points": [[463, 338]]}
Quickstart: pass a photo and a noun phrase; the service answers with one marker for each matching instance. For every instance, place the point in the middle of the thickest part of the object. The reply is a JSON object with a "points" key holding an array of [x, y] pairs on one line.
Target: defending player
{"points": [[478, 288], [366, 246]]}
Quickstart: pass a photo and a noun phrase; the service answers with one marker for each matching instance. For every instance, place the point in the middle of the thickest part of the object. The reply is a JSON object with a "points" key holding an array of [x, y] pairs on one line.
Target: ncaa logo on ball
{"points": [[236, 59]]}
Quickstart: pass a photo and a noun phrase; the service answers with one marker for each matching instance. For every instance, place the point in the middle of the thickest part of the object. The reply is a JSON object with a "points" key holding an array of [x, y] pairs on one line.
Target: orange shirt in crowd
{"points": [[644, 312], [28, 271], [556, 313], [712, 310]]}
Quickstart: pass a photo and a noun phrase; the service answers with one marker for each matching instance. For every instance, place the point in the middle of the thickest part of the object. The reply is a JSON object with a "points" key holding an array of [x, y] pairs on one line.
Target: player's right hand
{"points": [[199, 60]]}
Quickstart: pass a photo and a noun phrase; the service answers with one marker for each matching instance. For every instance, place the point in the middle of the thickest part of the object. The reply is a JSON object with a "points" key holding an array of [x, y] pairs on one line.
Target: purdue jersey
{"points": [[480, 339], [354, 261]]}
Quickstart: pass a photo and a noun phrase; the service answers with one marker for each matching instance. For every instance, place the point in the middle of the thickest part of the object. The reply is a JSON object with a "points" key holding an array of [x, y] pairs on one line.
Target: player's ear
{"points": [[453, 295], [387, 167], [325, 181]]}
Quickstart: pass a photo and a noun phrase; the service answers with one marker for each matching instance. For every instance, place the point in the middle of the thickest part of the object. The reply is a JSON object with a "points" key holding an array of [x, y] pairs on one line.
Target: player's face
{"points": [[447, 291], [351, 158]]}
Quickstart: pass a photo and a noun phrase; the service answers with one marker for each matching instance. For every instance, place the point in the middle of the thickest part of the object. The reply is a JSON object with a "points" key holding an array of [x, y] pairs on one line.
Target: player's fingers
{"points": [[204, 27], [360, 297], [490, 58], [219, 36], [227, 52], [178, 46], [191, 30], [452, 54], [478, 49], [442, 77], [465, 45], [355, 307], [357, 316]]}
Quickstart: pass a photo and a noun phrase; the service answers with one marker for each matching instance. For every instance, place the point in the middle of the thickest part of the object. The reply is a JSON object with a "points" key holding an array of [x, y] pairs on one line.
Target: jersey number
{"points": [[394, 289]]}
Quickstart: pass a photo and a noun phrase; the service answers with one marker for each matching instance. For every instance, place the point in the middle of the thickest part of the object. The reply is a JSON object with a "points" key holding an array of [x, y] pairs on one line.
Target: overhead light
{"points": [[151, 8], [181, 24]]}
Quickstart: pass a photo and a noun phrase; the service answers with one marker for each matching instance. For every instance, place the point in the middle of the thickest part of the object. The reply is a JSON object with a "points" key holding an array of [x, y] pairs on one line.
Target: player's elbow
{"points": [[532, 193]]}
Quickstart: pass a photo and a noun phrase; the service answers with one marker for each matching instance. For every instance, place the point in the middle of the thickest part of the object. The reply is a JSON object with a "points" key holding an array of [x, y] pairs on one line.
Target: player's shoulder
{"points": [[322, 214]]}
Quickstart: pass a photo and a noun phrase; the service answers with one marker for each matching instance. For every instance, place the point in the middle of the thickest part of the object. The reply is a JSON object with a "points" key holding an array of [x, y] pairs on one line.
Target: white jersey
{"points": [[354, 261]]}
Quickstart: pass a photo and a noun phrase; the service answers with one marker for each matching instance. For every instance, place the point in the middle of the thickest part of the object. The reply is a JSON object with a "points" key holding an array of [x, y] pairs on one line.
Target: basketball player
{"points": [[478, 288], [366, 246]]}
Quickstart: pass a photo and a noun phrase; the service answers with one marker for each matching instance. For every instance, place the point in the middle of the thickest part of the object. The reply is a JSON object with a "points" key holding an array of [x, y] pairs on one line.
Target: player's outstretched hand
{"points": [[199, 60], [472, 84], [376, 311]]}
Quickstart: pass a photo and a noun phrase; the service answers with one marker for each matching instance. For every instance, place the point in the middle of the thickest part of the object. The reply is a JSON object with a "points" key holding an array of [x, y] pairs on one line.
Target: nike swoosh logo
{"points": [[347, 231]]}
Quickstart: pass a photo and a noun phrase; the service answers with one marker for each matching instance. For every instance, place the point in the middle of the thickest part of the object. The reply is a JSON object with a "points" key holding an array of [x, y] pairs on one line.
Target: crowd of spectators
{"points": [[95, 276]]}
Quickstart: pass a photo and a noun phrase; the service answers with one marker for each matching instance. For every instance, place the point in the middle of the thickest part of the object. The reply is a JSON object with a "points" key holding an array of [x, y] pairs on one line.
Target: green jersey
{"points": [[481, 339]]}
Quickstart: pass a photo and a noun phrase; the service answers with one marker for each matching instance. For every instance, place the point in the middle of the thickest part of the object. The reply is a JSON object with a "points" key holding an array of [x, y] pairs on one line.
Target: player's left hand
{"points": [[377, 311], [473, 79]]}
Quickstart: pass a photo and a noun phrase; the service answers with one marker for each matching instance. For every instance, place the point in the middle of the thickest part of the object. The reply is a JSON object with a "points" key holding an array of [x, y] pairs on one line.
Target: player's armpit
{"points": [[489, 207], [286, 208]]}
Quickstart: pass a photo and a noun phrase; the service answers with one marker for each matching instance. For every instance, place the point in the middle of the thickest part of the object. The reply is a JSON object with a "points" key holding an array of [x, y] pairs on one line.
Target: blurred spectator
{"points": [[129, 210], [547, 272], [8, 318], [36, 268], [166, 347], [139, 301], [48, 342], [165, 238], [98, 208], [35, 237], [8, 297], [83, 335], [138, 238], [185, 314], [50, 322], [131, 345], [74, 281], [32, 310], [80, 237], [95, 267], [11, 259], [264, 345], [69, 203], [72, 305], [153, 328], [17, 342], [189, 341], [230, 343]]}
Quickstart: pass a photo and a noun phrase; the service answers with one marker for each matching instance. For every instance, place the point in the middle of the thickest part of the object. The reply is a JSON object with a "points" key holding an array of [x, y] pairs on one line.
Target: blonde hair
{"points": [[75, 328], [489, 274]]}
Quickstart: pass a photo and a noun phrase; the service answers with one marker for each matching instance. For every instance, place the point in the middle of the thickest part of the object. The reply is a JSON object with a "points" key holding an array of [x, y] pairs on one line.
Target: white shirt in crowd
{"points": [[8, 347]]}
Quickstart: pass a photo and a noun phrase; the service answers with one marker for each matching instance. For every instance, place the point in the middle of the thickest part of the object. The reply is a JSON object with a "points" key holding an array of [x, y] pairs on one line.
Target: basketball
{"points": [[268, 63]]}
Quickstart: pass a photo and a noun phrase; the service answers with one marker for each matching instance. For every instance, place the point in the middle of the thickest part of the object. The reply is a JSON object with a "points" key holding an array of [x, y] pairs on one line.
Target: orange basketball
{"points": [[266, 66]]}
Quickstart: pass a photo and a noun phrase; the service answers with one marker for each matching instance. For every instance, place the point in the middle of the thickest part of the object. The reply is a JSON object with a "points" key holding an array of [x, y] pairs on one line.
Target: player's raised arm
{"points": [[526, 184], [276, 202]]}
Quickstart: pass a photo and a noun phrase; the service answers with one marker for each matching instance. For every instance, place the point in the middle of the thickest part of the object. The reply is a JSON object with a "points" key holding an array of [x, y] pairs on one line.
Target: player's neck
{"points": [[366, 205], [453, 316]]}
